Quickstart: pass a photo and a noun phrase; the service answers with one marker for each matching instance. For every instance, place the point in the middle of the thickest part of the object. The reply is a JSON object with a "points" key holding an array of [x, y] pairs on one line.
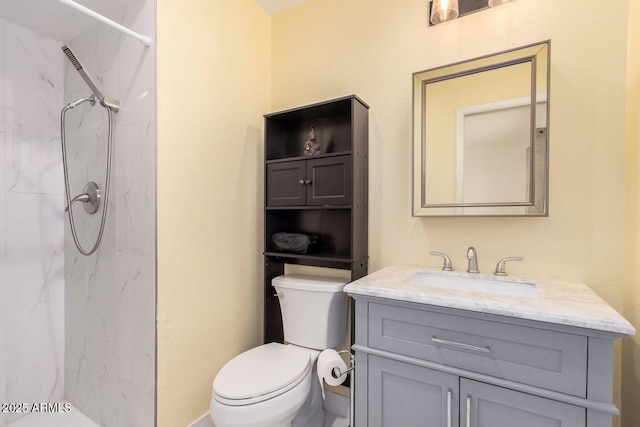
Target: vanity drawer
{"points": [[548, 359]]}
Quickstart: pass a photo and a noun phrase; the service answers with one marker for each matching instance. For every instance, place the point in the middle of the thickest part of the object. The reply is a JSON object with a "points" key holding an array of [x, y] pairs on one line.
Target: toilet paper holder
{"points": [[337, 373]]}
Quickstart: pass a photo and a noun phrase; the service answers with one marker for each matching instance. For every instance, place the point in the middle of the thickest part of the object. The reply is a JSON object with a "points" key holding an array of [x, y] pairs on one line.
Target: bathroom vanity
{"points": [[432, 350]]}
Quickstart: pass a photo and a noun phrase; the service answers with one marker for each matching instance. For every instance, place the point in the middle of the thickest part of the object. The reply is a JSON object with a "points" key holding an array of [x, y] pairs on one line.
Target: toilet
{"points": [[275, 385]]}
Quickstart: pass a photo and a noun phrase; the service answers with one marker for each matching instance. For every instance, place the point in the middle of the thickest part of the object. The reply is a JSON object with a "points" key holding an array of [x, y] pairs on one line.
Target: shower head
{"points": [[112, 103], [86, 77]]}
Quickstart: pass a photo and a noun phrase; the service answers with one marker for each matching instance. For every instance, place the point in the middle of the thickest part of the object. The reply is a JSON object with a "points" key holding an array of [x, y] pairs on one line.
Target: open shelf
{"points": [[303, 157]]}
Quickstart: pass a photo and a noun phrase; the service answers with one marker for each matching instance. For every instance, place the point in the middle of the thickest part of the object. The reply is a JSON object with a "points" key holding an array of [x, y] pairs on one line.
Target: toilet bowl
{"points": [[274, 385], [264, 387]]}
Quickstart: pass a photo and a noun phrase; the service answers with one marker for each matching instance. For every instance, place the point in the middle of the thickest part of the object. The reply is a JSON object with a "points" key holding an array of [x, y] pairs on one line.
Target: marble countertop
{"points": [[559, 302]]}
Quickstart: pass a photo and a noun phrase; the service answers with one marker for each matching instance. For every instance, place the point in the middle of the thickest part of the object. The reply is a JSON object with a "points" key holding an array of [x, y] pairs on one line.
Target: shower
{"points": [[92, 194]]}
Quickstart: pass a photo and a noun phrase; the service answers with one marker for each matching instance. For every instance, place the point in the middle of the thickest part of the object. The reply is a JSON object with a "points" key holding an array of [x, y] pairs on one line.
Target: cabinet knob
{"points": [[307, 182], [301, 182]]}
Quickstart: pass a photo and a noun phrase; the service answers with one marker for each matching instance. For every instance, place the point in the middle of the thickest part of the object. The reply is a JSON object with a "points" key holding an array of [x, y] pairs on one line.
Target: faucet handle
{"points": [[500, 271], [447, 260]]}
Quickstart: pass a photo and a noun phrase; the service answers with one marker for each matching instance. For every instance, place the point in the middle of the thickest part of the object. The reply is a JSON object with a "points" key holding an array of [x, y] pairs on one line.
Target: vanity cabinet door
{"points": [[485, 405], [401, 394]]}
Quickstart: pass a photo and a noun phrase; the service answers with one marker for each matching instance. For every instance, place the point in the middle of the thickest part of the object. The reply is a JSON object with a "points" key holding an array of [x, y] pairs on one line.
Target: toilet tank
{"points": [[314, 310]]}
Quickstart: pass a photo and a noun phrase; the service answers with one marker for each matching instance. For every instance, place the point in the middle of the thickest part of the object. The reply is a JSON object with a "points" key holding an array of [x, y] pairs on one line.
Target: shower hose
{"points": [[69, 210]]}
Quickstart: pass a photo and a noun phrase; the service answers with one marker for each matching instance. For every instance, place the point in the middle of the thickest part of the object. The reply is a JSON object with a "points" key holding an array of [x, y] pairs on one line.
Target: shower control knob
{"points": [[90, 198]]}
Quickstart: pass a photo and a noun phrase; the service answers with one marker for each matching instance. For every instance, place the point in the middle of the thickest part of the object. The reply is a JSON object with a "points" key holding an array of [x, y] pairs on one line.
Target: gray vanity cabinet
{"points": [[424, 365]]}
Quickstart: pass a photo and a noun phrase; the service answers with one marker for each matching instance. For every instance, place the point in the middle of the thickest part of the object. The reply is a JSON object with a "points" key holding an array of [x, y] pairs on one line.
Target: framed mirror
{"points": [[480, 136]]}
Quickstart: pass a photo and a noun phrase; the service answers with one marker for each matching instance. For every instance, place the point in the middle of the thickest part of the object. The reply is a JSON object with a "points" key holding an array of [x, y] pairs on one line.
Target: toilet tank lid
{"points": [[309, 283]]}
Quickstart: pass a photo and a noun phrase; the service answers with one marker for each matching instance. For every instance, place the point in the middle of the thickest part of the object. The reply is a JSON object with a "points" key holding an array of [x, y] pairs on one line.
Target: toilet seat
{"points": [[262, 373]]}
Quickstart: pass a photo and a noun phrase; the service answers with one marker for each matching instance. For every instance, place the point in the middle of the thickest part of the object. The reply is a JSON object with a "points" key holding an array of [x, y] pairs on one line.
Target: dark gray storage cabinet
{"points": [[324, 181], [325, 195], [423, 365]]}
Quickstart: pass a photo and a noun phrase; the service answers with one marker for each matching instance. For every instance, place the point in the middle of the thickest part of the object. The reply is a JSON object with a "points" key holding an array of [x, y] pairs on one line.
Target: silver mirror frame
{"points": [[537, 205]]}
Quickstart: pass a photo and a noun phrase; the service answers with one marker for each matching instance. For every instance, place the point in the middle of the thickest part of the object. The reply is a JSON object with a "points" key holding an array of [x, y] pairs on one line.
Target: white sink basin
{"points": [[475, 283]]}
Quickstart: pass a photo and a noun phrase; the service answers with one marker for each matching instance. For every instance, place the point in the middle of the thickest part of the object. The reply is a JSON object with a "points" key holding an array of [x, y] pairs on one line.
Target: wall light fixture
{"points": [[443, 10], [448, 10], [494, 3]]}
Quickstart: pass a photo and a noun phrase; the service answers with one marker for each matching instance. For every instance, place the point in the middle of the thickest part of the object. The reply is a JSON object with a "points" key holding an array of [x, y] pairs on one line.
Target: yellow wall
{"points": [[213, 87], [631, 347], [328, 48], [222, 64]]}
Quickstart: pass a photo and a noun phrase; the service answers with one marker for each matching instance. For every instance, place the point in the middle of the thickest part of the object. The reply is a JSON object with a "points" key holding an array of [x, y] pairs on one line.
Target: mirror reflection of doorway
{"points": [[492, 153]]}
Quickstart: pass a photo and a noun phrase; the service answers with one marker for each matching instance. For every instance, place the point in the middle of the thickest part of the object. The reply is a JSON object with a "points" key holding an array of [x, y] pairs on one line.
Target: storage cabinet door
{"points": [[329, 181], [485, 405], [400, 394], [286, 183]]}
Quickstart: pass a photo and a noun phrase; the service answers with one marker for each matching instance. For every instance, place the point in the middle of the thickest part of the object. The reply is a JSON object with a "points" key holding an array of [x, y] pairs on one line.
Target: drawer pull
{"points": [[449, 408], [461, 345]]}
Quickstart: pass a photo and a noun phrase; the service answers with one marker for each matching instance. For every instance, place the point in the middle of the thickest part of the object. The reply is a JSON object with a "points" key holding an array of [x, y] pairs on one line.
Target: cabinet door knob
{"points": [[301, 182], [307, 182]]}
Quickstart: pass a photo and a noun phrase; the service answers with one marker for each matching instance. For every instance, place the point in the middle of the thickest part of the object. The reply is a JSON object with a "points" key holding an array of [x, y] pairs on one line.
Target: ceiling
{"points": [[54, 20], [276, 6]]}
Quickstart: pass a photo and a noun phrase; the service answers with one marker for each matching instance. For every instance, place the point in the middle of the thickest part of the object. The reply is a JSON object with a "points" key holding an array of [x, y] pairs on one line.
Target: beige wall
{"points": [[372, 48], [213, 87], [631, 347], [222, 64]]}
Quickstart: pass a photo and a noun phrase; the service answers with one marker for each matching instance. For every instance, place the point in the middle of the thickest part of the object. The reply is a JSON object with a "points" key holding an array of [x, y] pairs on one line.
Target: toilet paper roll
{"points": [[327, 361]]}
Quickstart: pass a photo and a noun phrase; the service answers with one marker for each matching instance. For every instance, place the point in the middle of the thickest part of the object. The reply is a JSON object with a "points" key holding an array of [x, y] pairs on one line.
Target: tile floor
{"points": [[333, 420], [73, 418], [336, 410], [336, 415]]}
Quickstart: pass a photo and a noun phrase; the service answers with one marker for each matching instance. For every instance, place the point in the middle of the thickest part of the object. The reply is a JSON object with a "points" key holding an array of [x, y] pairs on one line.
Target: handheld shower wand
{"points": [[114, 104], [92, 195]]}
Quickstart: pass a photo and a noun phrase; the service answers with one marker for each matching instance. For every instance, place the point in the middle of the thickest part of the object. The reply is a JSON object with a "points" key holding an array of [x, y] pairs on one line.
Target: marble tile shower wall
{"points": [[31, 221], [110, 296]]}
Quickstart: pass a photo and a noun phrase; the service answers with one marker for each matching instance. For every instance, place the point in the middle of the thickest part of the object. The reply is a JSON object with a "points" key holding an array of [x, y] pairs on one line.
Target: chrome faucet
{"points": [[500, 271], [447, 261], [473, 260]]}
